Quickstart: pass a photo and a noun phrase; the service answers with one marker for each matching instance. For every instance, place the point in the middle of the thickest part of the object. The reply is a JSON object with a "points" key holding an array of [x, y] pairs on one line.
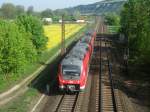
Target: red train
{"points": [[73, 70]]}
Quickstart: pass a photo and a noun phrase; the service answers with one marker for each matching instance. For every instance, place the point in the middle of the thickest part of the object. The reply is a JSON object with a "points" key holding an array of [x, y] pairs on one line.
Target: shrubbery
{"points": [[20, 42], [34, 26], [112, 19], [135, 22]]}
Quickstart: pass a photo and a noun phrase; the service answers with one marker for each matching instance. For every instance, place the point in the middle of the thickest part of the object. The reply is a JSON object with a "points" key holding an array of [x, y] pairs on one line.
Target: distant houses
{"points": [[47, 20], [77, 21], [50, 20], [60, 21], [80, 21]]}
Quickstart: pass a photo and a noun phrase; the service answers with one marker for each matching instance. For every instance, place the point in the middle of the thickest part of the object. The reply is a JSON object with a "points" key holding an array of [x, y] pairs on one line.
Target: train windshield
{"points": [[71, 70]]}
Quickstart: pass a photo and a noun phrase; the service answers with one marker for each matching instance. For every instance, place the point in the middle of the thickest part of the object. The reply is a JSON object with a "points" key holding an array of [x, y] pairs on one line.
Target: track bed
{"points": [[100, 94]]}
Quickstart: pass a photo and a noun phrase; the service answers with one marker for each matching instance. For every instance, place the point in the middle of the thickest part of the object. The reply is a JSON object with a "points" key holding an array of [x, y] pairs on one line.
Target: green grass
{"points": [[26, 101], [10, 81], [22, 103], [6, 83]]}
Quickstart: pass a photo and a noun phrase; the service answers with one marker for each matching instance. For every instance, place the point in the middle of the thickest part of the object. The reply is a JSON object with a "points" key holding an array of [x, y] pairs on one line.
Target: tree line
{"points": [[135, 23], [22, 42], [22, 38], [10, 11], [112, 19]]}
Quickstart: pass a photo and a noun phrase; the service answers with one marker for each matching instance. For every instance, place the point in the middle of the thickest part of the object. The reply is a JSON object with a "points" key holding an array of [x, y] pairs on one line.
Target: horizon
{"points": [[45, 4]]}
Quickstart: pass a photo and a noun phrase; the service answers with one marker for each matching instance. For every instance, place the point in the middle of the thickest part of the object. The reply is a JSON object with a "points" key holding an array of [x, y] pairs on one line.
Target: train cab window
{"points": [[71, 71]]}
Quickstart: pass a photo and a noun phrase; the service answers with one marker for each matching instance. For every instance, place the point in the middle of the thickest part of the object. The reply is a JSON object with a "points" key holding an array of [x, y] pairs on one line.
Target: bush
{"points": [[34, 26], [112, 19], [16, 49], [135, 23]]}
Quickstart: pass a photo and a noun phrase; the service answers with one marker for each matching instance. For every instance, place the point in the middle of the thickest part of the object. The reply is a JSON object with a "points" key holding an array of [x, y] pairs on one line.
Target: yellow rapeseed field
{"points": [[53, 32]]}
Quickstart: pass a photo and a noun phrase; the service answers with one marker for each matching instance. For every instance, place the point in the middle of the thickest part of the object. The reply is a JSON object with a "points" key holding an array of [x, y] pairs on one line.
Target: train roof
{"points": [[80, 48], [72, 61], [81, 44], [76, 55], [79, 55], [78, 51], [86, 39], [90, 32]]}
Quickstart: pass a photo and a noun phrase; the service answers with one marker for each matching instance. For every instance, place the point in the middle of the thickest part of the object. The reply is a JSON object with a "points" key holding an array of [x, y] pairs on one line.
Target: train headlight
{"points": [[62, 87]]}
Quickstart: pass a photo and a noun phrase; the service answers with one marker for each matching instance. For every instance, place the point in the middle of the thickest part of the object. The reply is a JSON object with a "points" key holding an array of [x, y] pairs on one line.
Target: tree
{"points": [[135, 25], [58, 14], [47, 13], [34, 26], [20, 10], [72, 17], [8, 11], [0, 13], [30, 10], [112, 19], [76, 14], [16, 50]]}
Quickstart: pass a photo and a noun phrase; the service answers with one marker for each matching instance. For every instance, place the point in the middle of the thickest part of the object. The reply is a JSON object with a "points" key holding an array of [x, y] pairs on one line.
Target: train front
{"points": [[69, 74]]}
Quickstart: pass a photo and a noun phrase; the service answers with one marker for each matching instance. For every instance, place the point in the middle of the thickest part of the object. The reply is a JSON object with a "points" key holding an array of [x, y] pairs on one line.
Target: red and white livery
{"points": [[73, 70]]}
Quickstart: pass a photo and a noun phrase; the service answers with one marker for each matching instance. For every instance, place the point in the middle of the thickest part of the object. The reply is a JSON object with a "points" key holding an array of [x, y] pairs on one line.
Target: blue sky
{"points": [[52, 4]]}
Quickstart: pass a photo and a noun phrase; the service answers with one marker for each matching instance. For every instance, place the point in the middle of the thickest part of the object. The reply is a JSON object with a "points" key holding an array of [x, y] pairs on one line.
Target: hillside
{"points": [[99, 7]]}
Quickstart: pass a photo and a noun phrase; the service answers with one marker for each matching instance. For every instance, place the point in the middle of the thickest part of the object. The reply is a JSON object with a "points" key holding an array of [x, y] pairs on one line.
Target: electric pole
{"points": [[63, 49]]}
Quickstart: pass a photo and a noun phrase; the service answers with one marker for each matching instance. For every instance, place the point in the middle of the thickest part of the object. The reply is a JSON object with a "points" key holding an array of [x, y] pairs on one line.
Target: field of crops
{"points": [[53, 32]]}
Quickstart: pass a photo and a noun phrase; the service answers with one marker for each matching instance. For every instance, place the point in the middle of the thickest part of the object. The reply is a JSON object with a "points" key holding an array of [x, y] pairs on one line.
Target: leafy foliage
{"points": [[135, 24], [8, 10], [47, 13], [16, 49], [30, 10], [34, 26], [20, 41], [112, 19]]}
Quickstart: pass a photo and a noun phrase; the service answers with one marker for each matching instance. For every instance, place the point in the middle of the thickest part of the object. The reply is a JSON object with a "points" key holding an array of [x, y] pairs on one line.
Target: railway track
{"points": [[100, 94], [107, 95], [109, 101], [77, 102], [70, 103], [67, 103], [94, 69], [104, 96]]}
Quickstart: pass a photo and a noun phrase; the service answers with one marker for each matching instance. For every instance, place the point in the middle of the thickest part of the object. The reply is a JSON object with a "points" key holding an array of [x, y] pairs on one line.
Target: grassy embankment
{"points": [[26, 101], [54, 36]]}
